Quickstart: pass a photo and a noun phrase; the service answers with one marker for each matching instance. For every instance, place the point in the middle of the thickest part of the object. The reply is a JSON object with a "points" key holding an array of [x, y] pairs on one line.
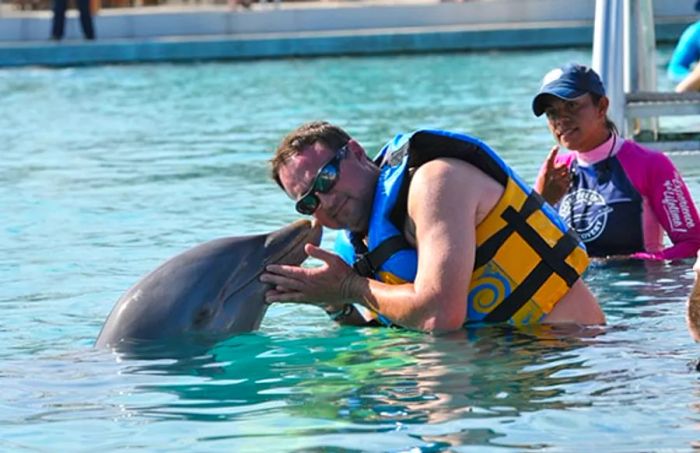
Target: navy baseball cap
{"points": [[568, 82]]}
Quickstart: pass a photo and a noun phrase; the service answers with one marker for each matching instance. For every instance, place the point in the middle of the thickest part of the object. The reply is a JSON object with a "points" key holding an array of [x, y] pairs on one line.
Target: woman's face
{"points": [[578, 124]]}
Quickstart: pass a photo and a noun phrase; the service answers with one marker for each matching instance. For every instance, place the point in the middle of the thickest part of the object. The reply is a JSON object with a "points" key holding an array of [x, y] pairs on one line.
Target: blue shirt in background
{"points": [[686, 53]]}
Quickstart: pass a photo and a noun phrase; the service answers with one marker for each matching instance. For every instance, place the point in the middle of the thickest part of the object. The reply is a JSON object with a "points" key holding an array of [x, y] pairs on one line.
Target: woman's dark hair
{"points": [[610, 124]]}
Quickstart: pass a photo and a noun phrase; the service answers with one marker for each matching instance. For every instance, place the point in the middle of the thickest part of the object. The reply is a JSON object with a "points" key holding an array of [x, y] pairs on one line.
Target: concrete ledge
{"points": [[161, 34], [140, 23], [300, 45]]}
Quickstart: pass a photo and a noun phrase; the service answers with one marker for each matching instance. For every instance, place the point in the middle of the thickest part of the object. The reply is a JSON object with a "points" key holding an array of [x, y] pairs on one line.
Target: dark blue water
{"points": [[107, 171]]}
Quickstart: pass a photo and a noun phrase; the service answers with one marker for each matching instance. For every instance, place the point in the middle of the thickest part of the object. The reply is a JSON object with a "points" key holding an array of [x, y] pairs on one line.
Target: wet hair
{"points": [[610, 124], [305, 135]]}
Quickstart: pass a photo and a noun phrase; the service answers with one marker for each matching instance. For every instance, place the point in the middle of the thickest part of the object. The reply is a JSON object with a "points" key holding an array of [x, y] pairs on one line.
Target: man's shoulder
{"points": [[454, 187], [451, 164], [695, 28], [456, 171]]}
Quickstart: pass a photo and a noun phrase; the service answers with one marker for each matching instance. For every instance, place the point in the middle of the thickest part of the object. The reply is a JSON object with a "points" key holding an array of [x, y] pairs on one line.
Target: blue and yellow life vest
{"points": [[526, 256]]}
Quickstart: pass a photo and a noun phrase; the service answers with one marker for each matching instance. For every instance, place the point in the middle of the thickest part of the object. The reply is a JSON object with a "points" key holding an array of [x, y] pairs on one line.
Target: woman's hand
{"points": [[331, 286], [556, 181]]}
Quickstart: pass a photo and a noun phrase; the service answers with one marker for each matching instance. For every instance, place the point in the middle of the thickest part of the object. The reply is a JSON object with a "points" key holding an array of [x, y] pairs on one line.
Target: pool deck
{"points": [[307, 29]]}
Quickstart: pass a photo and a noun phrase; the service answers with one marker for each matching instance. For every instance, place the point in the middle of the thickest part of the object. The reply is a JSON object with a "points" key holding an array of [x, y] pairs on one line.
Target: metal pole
{"points": [[607, 56], [640, 60]]}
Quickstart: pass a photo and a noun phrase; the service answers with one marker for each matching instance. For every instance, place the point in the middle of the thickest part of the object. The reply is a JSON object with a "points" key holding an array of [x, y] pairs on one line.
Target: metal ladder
{"points": [[645, 104], [624, 51]]}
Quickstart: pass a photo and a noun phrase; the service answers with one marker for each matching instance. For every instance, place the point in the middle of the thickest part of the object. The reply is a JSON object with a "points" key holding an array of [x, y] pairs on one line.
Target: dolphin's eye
{"points": [[202, 317]]}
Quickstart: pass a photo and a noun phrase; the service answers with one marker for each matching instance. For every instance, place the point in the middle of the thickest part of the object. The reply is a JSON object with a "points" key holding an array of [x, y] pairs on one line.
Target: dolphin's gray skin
{"points": [[211, 290]]}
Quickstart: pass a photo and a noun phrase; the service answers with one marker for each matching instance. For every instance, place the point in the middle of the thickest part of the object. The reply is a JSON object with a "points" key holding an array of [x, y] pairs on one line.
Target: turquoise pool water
{"points": [[107, 171]]}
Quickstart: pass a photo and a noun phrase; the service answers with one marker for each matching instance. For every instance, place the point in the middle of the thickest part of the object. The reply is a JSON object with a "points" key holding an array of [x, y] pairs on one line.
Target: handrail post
{"points": [[607, 56], [640, 61]]}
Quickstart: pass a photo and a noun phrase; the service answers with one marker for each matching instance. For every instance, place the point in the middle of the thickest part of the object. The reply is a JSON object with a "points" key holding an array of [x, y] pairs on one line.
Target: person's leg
{"points": [[59, 18], [86, 19]]}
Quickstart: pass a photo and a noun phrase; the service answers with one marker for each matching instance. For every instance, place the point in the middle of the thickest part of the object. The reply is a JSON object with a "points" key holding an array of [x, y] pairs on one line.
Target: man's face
{"points": [[345, 204], [578, 123]]}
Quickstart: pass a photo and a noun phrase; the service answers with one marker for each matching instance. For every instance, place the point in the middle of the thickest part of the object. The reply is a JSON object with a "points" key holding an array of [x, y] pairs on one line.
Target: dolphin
{"points": [[211, 290]]}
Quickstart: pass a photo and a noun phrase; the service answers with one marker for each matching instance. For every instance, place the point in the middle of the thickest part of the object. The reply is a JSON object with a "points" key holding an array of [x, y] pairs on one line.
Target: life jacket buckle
{"points": [[363, 266]]}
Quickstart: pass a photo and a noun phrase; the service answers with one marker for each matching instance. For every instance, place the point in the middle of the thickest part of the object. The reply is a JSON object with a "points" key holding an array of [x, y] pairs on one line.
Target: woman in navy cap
{"points": [[619, 196]]}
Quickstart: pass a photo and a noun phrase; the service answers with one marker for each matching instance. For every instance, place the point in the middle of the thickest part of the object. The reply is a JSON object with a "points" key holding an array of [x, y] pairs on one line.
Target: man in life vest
{"points": [[438, 232]]}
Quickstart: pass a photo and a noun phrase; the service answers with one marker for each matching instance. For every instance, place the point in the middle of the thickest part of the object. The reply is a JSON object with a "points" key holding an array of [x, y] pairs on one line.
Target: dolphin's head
{"points": [[243, 299], [210, 291]]}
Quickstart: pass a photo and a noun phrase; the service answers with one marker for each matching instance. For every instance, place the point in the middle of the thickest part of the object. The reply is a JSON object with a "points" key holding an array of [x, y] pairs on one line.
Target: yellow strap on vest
{"points": [[523, 259]]}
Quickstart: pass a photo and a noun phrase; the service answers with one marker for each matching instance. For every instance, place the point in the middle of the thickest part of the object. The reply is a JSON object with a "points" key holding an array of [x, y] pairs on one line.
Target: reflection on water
{"points": [[375, 381], [108, 171]]}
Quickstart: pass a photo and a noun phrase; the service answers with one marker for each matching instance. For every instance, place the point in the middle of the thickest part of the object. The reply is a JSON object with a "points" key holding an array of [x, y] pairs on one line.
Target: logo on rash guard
{"points": [[586, 212], [676, 205]]}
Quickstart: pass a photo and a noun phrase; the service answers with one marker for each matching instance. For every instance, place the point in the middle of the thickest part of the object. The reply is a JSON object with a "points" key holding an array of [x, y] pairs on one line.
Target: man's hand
{"points": [[556, 180], [331, 286]]}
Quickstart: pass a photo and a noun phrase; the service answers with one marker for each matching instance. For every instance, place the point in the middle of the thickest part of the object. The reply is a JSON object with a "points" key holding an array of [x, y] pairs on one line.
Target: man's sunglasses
{"points": [[324, 181]]}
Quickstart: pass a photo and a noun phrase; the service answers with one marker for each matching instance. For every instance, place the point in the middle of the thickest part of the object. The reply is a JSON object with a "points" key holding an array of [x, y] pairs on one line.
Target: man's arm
{"points": [[445, 200], [443, 204], [693, 309]]}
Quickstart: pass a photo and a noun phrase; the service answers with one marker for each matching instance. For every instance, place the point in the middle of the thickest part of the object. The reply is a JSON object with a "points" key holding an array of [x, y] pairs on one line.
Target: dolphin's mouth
{"points": [[287, 245], [293, 251], [301, 233], [294, 237]]}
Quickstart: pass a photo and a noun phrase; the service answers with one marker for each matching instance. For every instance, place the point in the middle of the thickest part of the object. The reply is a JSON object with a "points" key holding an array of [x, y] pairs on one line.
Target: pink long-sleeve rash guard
{"points": [[666, 201]]}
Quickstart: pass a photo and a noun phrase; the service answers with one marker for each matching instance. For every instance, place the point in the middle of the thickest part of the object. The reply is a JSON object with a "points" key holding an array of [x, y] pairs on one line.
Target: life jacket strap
{"points": [[367, 263], [553, 258]]}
